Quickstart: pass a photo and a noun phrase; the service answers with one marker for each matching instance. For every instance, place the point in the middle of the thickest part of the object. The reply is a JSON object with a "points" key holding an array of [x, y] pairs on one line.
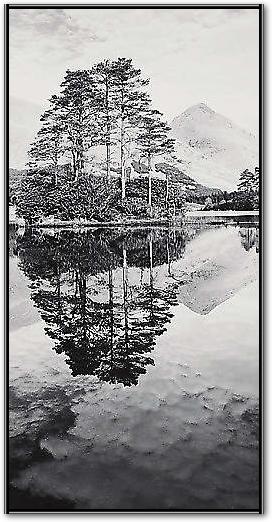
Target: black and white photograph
{"points": [[134, 258]]}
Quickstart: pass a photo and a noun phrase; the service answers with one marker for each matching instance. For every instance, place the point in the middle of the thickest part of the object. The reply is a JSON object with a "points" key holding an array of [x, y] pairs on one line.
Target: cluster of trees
{"points": [[246, 197], [201, 199], [107, 107], [249, 182], [112, 335]]}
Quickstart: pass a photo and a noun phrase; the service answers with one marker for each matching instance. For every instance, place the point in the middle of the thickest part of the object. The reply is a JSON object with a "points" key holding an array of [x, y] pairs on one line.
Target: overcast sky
{"points": [[190, 55]]}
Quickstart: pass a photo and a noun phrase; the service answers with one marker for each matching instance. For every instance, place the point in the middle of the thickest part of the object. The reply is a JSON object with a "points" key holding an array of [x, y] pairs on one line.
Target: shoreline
{"points": [[186, 218], [104, 224], [222, 213]]}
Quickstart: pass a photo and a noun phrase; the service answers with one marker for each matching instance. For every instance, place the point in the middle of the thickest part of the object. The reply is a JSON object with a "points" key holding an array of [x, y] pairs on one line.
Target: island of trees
{"points": [[96, 130]]}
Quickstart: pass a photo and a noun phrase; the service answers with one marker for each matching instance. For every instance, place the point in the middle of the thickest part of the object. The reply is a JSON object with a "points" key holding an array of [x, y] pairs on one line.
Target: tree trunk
{"points": [[77, 166], [76, 174], [56, 170], [108, 160], [149, 182], [123, 173], [74, 164], [168, 255], [81, 163], [122, 162], [151, 280], [56, 178], [108, 131], [167, 190], [111, 314]]}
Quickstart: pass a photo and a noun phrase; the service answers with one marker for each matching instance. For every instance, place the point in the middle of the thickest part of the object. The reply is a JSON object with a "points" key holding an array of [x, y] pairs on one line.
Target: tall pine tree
{"points": [[47, 149], [153, 140], [103, 76], [76, 109], [131, 102]]}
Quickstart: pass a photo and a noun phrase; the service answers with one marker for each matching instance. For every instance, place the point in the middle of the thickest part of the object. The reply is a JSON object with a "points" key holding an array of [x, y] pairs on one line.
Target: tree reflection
{"points": [[249, 238], [97, 308]]}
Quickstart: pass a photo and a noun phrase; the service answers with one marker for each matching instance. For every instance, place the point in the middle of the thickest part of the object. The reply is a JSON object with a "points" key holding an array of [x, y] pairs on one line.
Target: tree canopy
{"points": [[94, 128]]}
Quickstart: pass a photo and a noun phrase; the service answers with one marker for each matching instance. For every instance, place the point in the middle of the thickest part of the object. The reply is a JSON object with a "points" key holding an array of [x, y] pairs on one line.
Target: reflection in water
{"points": [[104, 322], [186, 436], [249, 238]]}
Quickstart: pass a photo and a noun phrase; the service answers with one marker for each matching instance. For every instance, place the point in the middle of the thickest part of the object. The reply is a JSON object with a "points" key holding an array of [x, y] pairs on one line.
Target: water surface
{"points": [[134, 368]]}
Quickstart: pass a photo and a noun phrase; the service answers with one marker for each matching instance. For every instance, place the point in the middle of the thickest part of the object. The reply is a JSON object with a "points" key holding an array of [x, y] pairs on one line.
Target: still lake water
{"points": [[134, 368]]}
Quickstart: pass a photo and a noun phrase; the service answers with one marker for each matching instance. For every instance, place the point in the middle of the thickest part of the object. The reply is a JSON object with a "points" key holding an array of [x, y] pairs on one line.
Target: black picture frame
{"points": [[260, 8]]}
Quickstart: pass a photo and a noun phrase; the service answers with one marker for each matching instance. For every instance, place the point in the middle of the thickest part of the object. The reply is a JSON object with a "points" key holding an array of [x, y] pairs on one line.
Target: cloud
{"points": [[48, 29], [189, 54]]}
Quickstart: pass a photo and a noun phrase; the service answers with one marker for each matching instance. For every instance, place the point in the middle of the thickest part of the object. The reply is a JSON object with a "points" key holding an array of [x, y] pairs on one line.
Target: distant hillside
{"points": [[24, 123], [212, 149], [188, 184]]}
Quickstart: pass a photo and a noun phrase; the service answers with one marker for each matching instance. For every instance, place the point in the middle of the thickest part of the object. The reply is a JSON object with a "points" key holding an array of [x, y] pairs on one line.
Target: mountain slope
{"points": [[212, 149], [24, 122], [188, 184]]}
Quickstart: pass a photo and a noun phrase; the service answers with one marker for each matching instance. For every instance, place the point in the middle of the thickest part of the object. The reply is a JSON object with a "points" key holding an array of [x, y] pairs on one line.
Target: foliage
{"points": [[91, 198], [33, 197], [249, 181], [245, 198], [104, 106], [152, 139]]}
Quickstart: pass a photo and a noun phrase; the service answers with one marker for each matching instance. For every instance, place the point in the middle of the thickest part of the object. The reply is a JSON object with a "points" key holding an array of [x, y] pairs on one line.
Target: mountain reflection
{"points": [[98, 296]]}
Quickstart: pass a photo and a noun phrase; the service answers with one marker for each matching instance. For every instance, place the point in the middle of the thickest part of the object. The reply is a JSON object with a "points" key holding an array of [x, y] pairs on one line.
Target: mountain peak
{"points": [[198, 111], [214, 150], [202, 106]]}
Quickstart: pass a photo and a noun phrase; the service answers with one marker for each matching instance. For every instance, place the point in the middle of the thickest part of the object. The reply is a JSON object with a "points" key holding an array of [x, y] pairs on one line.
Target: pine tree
{"points": [[103, 76], [70, 126], [76, 110], [171, 161], [131, 102], [47, 149], [153, 140], [256, 182], [246, 181]]}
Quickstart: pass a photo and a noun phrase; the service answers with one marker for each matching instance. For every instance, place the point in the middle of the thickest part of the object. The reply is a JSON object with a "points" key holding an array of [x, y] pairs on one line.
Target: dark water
{"points": [[134, 368]]}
